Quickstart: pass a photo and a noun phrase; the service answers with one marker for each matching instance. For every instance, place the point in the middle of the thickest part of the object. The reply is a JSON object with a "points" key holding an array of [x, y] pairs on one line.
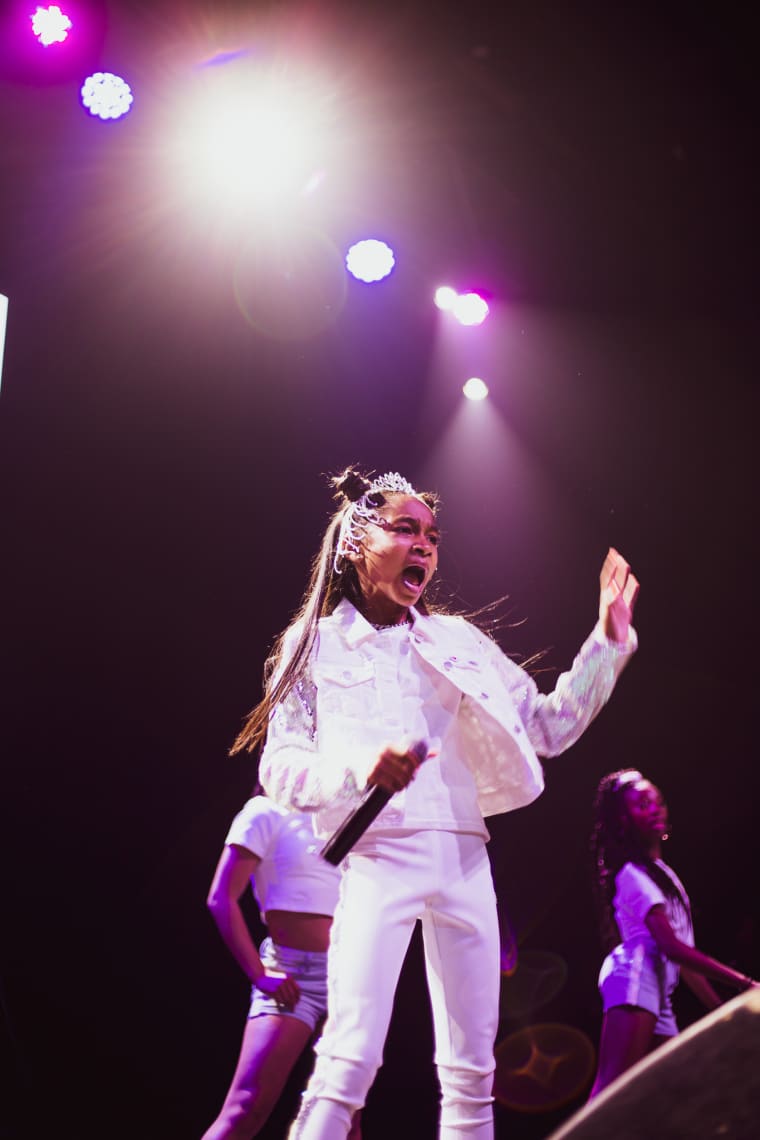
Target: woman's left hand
{"points": [[619, 589]]}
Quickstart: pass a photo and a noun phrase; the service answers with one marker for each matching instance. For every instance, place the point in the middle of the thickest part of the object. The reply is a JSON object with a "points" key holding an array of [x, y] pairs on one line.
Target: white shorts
{"points": [[308, 968], [632, 976]]}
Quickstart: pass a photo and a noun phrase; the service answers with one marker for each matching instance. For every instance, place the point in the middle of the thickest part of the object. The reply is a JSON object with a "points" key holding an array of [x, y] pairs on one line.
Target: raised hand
{"points": [[618, 590]]}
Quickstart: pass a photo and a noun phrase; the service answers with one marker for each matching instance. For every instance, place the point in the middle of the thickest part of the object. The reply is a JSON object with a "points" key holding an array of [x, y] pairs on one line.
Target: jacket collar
{"points": [[354, 627]]}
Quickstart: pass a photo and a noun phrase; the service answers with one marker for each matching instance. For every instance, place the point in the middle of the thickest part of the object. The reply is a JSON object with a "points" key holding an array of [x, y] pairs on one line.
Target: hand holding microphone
{"points": [[393, 771]]}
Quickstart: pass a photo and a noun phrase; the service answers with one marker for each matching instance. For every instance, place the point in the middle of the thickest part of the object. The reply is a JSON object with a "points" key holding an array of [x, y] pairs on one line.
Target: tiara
{"points": [[391, 481], [362, 512]]}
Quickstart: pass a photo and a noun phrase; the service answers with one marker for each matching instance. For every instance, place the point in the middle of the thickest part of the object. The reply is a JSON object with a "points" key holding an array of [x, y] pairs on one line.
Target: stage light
{"points": [[470, 309], [445, 298], [3, 323], [253, 137], [106, 96], [50, 25], [45, 44], [256, 148], [475, 389], [370, 260]]}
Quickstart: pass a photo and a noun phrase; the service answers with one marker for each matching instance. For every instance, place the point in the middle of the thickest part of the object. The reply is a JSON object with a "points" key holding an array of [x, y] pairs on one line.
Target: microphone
{"points": [[357, 821]]}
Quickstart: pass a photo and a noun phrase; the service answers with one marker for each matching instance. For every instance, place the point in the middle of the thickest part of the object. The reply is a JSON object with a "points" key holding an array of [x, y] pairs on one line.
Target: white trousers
{"points": [[444, 879]]}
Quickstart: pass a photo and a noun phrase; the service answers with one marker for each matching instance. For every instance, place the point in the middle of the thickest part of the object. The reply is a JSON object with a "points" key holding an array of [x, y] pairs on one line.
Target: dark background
{"points": [[592, 167]]}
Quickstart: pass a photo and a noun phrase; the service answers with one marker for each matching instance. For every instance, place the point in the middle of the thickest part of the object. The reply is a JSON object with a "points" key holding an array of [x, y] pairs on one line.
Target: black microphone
{"points": [[356, 822]]}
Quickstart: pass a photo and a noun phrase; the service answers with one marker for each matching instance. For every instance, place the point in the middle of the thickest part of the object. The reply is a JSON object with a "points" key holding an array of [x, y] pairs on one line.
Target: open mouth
{"points": [[413, 577]]}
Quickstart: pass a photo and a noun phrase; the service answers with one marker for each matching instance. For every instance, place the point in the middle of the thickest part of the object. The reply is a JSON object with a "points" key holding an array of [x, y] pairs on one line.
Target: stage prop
{"points": [[705, 1083]]}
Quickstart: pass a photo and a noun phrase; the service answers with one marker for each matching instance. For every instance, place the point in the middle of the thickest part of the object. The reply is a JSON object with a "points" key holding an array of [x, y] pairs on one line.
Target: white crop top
{"points": [[291, 875]]}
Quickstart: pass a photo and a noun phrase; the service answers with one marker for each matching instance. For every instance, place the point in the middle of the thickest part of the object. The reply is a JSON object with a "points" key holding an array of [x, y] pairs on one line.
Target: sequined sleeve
{"points": [[554, 721], [292, 770]]}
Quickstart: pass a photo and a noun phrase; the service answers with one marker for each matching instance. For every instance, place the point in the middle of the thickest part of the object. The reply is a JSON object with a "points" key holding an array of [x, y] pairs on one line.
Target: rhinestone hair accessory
{"points": [[360, 514], [391, 481]]}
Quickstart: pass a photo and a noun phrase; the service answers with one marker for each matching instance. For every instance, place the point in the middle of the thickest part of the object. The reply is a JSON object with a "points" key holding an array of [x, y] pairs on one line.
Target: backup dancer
{"points": [[645, 919]]}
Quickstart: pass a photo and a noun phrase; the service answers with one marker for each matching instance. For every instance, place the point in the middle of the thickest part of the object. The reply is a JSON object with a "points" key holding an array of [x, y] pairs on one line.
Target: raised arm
{"points": [[554, 721], [693, 961], [231, 878]]}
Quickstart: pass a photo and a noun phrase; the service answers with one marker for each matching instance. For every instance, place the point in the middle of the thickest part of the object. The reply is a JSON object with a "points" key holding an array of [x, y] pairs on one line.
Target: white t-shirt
{"points": [[635, 895], [292, 875]]}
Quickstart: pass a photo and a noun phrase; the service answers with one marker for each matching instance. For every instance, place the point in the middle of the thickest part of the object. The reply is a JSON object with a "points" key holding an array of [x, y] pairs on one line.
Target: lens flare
{"points": [[542, 1067], [290, 285], [537, 977]]}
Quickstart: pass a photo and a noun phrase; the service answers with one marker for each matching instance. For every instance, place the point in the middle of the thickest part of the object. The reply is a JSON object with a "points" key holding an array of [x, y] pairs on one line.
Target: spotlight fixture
{"points": [[50, 25], [470, 309], [445, 298], [370, 260], [475, 389], [106, 96]]}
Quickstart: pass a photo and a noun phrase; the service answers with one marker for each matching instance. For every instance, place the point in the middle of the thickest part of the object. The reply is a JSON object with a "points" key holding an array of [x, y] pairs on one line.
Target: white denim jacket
{"points": [[325, 738]]}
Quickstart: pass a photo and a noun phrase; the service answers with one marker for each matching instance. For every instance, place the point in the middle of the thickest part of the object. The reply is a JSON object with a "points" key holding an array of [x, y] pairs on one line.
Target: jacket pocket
{"points": [[348, 690]]}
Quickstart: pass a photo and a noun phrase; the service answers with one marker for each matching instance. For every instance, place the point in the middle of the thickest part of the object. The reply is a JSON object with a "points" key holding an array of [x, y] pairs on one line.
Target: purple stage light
{"points": [[470, 309], [50, 25], [106, 95], [370, 260], [45, 44]]}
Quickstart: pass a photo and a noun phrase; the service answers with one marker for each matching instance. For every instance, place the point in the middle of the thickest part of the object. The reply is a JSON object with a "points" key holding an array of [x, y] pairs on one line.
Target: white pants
{"points": [[444, 879]]}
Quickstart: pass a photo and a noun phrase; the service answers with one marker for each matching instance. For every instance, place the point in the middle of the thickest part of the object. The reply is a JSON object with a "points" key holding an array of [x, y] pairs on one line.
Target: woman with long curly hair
{"points": [[646, 927]]}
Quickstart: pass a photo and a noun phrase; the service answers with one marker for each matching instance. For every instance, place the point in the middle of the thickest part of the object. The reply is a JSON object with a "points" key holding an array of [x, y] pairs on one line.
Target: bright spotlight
{"points": [[470, 309], [475, 389], [106, 95], [370, 260], [50, 25], [250, 137], [445, 298], [259, 147]]}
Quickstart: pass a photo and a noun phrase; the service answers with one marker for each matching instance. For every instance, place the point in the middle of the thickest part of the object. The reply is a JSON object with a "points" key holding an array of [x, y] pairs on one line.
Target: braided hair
{"points": [[333, 578], [614, 842]]}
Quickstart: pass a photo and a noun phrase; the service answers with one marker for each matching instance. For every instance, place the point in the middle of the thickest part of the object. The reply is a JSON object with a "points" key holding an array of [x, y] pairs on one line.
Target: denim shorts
{"points": [[634, 977], [308, 968]]}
